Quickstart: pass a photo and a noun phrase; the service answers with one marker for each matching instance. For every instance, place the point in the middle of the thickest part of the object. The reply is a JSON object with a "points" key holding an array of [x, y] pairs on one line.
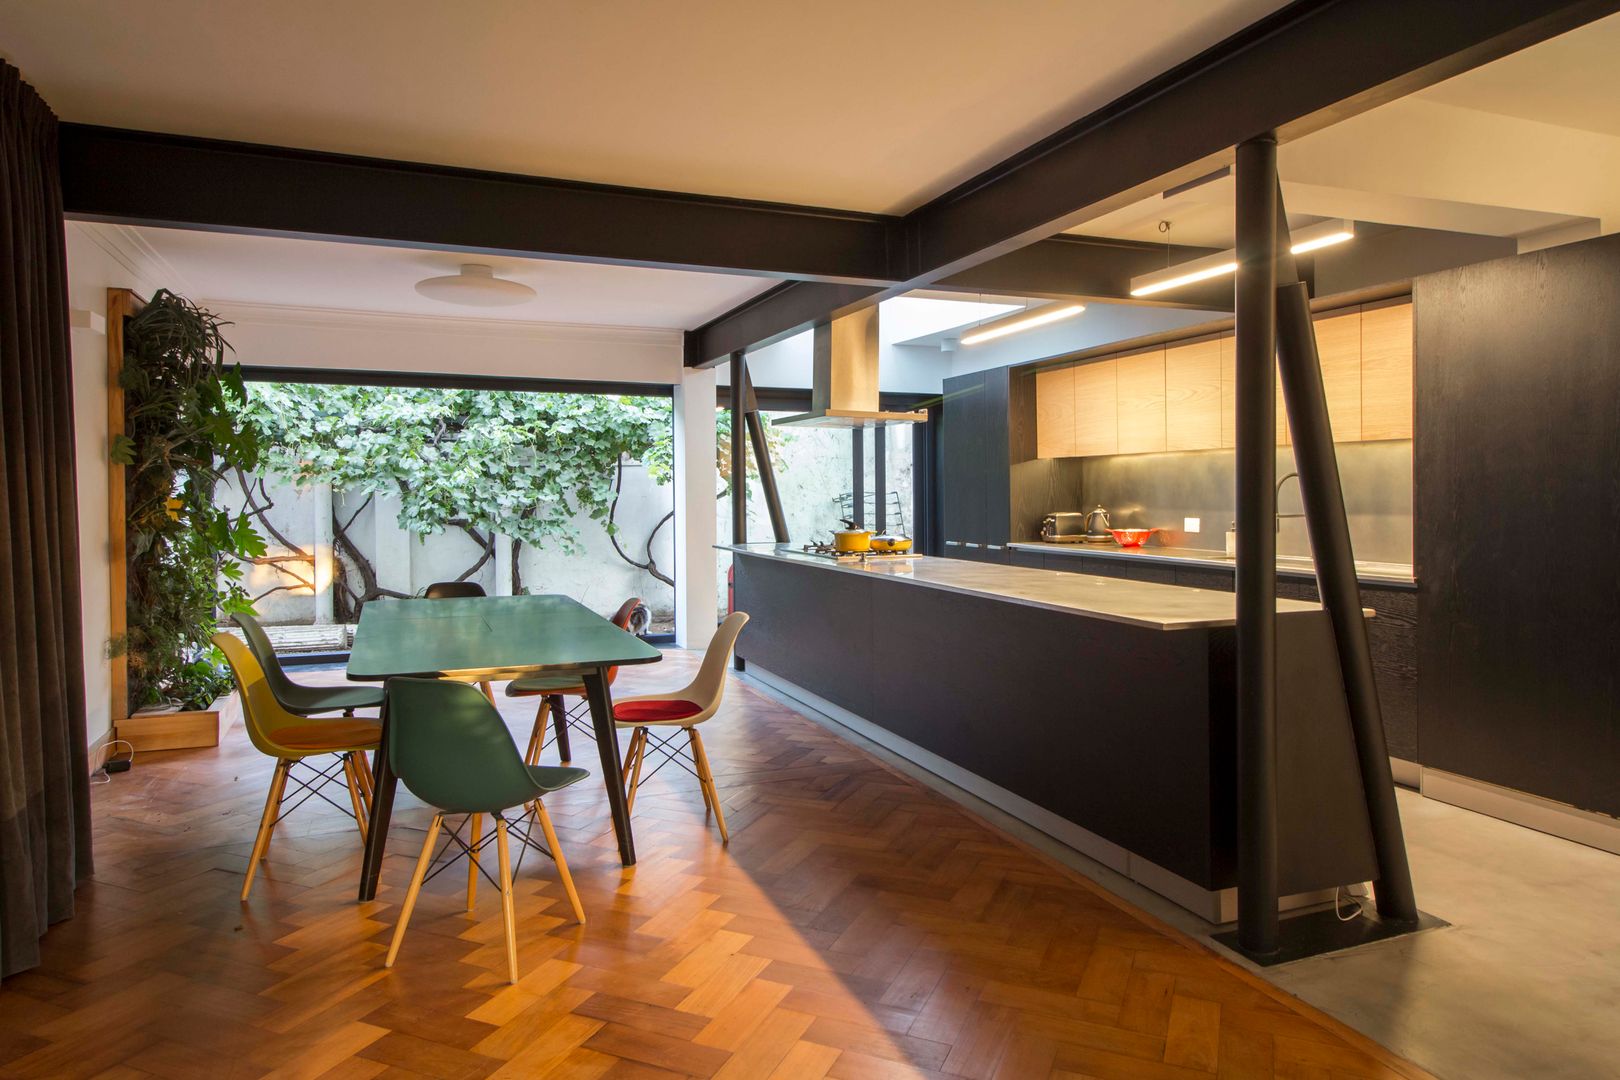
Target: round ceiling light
{"points": [[475, 286]]}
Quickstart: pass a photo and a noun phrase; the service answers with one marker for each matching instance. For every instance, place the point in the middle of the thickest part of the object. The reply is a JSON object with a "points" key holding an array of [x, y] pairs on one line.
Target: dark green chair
{"points": [[450, 747], [298, 698]]}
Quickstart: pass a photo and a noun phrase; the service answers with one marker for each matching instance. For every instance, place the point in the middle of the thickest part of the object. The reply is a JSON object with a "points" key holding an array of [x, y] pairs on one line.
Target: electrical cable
{"points": [[102, 772]]}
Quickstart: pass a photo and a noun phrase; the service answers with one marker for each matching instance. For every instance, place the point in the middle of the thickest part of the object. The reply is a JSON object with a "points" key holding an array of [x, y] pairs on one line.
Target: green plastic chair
{"points": [[451, 748], [299, 698]]}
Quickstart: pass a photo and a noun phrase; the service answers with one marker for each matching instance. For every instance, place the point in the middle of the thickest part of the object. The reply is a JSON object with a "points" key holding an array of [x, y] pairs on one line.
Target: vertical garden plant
{"points": [[183, 553]]}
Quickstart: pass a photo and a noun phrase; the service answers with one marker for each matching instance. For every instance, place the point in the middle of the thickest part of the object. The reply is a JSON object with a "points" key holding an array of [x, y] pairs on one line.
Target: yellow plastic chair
{"points": [[290, 739], [685, 708]]}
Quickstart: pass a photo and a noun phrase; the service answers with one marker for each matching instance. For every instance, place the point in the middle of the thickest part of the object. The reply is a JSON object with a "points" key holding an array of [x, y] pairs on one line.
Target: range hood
{"points": [[844, 377]]}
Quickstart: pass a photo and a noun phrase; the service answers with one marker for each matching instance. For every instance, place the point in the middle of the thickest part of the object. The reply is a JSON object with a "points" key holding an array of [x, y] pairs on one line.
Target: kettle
{"points": [[1097, 533]]}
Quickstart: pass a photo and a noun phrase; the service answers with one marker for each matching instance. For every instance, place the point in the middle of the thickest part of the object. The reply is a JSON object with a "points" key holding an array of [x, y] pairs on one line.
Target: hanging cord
{"points": [[1356, 909], [101, 775]]}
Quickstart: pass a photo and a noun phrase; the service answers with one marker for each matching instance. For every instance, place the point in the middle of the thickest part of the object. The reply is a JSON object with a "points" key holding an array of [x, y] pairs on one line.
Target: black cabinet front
{"points": [[974, 483]]}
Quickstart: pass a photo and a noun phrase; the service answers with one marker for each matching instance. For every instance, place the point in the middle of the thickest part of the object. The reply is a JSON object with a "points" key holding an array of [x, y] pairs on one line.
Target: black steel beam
{"points": [[1083, 268], [1309, 65], [739, 455], [762, 458], [143, 178], [857, 454], [880, 478], [774, 314], [446, 380], [1323, 494], [1255, 345]]}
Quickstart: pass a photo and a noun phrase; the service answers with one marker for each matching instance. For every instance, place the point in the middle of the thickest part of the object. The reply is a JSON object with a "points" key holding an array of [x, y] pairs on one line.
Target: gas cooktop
{"points": [[827, 551]]}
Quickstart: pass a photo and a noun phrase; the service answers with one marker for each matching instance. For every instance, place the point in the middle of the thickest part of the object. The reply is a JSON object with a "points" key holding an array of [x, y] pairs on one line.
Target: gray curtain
{"points": [[44, 774]]}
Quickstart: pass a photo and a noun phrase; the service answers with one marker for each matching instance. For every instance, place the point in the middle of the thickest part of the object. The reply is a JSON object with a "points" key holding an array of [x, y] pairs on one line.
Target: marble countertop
{"points": [[1369, 572], [1134, 603]]}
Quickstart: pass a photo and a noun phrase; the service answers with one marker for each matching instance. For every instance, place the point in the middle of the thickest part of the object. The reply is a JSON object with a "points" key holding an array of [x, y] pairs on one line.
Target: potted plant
{"points": [[183, 554]]}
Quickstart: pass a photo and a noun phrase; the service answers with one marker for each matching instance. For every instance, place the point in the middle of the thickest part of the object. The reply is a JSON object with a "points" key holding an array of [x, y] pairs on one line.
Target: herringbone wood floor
{"points": [[859, 925]]}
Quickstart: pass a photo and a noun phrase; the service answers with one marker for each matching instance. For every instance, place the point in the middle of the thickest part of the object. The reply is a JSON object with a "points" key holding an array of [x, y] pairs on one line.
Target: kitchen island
{"points": [[1099, 710]]}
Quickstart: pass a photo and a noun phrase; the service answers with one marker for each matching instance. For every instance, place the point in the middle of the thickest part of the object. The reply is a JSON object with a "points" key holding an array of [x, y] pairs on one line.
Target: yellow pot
{"points": [[852, 540], [891, 543]]}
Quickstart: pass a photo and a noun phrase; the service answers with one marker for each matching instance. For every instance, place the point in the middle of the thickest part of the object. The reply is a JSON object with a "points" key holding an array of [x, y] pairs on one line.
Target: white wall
{"points": [[696, 482], [95, 264], [267, 335]]}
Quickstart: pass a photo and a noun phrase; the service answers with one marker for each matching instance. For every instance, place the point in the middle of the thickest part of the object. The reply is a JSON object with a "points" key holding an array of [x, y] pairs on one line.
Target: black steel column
{"points": [[880, 480], [1256, 325], [762, 460], [1329, 526], [739, 457], [857, 444]]}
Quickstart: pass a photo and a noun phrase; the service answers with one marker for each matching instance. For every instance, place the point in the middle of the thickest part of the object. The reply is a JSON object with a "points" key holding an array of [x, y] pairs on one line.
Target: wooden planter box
{"points": [[170, 730]]}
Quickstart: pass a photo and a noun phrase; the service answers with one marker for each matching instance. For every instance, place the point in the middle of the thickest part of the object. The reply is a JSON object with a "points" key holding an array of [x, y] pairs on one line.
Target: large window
{"points": [[372, 492], [815, 479]]}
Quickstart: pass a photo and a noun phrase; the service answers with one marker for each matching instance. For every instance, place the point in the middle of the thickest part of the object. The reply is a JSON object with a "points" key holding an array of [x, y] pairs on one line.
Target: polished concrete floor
{"points": [[1525, 982]]}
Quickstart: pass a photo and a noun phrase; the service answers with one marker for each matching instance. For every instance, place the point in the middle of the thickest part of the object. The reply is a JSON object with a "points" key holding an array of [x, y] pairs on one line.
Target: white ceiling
{"points": [[1526, 147], [843, 103], [1570, 81], [295, 273]]}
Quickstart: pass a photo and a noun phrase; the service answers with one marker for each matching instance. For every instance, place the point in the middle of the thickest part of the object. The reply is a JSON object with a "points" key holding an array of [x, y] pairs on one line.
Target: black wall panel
{"points": [[1517, 458]]}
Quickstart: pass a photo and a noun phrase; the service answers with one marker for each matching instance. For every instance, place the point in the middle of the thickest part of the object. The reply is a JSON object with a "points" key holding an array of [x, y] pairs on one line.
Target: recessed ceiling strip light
{"points": [[1040, 318], [1322, 234]]}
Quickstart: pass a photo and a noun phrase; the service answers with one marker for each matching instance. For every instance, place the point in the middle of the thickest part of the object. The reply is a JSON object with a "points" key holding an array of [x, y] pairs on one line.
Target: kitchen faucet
{"points": [[1278, 495]]}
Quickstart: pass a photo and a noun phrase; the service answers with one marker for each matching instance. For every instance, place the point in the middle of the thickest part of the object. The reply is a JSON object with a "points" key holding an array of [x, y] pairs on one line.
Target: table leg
{"points": [[382, 809], [607, 746], [559, 724]]}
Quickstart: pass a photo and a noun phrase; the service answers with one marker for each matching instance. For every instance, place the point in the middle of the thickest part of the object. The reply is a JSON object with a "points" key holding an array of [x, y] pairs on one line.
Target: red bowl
{"points": [[1131, 537]]}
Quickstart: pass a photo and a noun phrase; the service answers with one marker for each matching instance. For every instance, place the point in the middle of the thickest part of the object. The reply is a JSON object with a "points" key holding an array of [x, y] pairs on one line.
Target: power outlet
{"points": [[1192, 525]]}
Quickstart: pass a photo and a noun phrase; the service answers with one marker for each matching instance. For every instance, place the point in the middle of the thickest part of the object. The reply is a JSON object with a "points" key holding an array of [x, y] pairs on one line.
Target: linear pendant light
{"points": [[1322, 234], [1041, 317]]}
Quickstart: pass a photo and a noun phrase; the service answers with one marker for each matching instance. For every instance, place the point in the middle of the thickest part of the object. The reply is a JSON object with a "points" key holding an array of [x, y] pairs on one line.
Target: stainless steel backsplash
{"points": [[1160, 490]]}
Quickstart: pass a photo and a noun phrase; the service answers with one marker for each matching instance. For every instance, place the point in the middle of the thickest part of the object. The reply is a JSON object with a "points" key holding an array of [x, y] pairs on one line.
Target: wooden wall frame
{"points": [[121, 303]]}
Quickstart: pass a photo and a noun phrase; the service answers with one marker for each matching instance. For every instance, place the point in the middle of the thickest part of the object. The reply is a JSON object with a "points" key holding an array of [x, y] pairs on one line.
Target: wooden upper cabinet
{"points": [[1192, 396], [1096, 408], [1338, 345], [1183, 396], [1229, 397], [1054, 413], [1386, 371], [1141, 405]]}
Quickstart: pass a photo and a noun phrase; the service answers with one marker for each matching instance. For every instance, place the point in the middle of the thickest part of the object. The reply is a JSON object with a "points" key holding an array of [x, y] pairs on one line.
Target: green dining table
{"points": [[493, 637]]}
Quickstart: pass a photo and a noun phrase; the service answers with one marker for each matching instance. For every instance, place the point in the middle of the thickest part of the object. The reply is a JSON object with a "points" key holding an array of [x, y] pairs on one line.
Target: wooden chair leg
{"points": [[708, 803], [537, 738], [472, 859], [422, 862], [638, 748], [507, 912], [363, 760], [267, 822], [488, 689], [559, 723], [706, 777], [351, 778], [557, 857]]}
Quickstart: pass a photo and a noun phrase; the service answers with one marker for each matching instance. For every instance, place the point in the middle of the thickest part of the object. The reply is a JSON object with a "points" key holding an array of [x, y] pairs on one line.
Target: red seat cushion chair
{"points": [[656, 711]]}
